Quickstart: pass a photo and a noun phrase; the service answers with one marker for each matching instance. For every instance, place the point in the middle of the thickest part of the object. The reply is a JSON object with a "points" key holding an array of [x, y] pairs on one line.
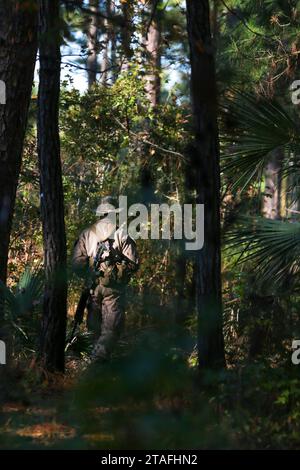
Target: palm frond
{"points": [[7, 298], [82, 344], [259, 126], [272, 246], [25, 295], [29, 289]]}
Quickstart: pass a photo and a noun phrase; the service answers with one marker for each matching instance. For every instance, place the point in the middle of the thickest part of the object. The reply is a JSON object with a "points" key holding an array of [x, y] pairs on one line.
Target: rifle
{"points": [[113, 257], [79, 314], [116, 256]]}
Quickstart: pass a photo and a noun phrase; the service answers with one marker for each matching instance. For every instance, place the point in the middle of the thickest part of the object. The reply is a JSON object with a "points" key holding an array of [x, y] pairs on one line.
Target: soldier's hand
{"points": [[105, 278], [120, 270]]}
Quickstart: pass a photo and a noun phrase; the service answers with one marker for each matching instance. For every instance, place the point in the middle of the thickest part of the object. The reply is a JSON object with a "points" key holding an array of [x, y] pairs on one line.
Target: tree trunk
{"points": [[18, 45], [105, 45], [113, 47], [92, 60], [215, 23], [153, 54], [127, 11], [52, 200], [271, 201], [205, 164]]}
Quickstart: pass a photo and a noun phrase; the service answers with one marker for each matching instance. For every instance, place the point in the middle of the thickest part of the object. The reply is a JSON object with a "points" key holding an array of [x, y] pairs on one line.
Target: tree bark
{"points": [[52, 199], [205, 165], [127, 52], [113, 47], [105, 40], [271, 201], [92, 60], [153, 54], [18, 46]]}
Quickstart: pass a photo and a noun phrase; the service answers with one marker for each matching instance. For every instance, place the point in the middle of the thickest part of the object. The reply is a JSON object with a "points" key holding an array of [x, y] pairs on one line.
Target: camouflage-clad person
{"points": [[118, 261]]}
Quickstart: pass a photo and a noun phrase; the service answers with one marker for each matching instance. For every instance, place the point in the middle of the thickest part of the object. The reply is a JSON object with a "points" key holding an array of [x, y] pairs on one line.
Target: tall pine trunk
{"points": [[205, 163], [18, 46], [153, 54], [52, 200], [105, 41], [92, 60], [125, 33], [271, 204]]}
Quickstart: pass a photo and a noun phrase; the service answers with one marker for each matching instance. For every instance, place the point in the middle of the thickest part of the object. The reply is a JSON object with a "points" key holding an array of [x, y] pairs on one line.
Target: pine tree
{"points": [[205, 165], [52, 199], [18, 43]]}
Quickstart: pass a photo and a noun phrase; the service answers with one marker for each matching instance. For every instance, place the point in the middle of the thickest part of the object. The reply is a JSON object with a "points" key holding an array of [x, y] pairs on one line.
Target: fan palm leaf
{"points": [[261, 126], [25, 295], [273, 247]]}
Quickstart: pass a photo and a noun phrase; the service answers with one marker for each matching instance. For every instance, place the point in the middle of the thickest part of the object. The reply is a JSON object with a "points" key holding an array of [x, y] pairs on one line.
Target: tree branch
{"points": [[118, 20], [244, 22], [148, 142]]}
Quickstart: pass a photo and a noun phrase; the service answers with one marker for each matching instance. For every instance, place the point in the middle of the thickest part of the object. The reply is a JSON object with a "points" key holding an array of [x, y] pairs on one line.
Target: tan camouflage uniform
{"points": [[106, 303]]}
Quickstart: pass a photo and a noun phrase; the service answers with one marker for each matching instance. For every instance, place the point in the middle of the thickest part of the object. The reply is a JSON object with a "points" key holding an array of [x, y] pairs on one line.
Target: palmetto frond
{"points": [[29, 289], [83, 343], [273, 246], [259, 126], [25, 295], [7, 298]]}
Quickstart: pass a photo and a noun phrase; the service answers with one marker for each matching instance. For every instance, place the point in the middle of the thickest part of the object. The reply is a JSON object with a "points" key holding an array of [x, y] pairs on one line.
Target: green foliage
{"points": [[256, 42], [108, 136], [273, 245], [21, 307], [261, 125], [112, 141]]}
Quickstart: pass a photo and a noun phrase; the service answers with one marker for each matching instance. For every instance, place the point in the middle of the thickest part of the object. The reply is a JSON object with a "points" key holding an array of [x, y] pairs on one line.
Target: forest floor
{"points": [[142, 399], [70, 413], [149, 397]]}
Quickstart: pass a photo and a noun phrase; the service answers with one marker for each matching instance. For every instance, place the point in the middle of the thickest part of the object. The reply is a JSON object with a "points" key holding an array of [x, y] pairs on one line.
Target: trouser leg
{"points": [[112, 323], [93, 321]]}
